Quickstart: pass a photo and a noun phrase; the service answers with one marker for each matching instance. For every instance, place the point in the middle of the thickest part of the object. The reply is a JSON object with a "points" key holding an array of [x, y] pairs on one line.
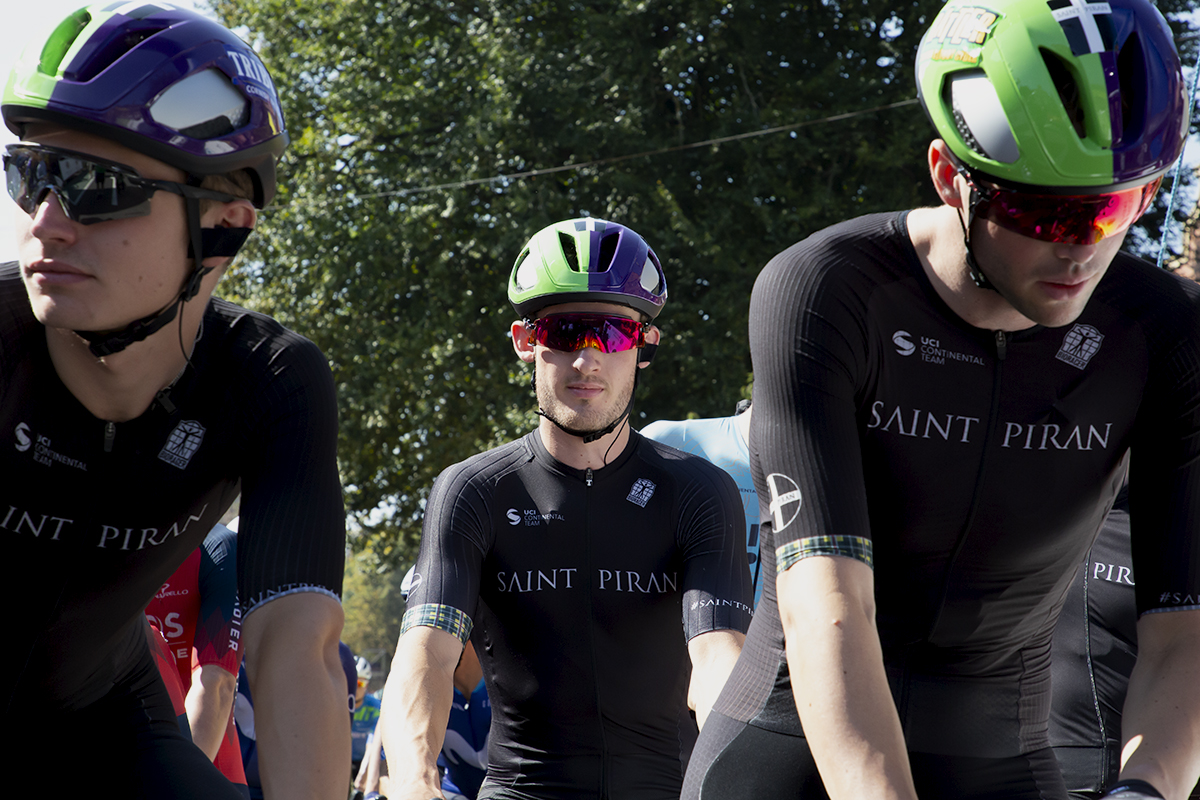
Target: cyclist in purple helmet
{"points": [[574, 558], [134, 407]]}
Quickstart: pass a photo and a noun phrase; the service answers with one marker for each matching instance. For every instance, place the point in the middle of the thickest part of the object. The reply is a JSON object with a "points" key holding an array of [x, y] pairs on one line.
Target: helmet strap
{"points": [[202, 243], [973, 268], [599, 433]]}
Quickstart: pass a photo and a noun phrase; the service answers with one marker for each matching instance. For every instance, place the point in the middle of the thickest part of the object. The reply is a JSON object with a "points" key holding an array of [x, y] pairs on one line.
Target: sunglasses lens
{"points": [[90, 191], [1076, 219], [16, 170], [571, 332]]}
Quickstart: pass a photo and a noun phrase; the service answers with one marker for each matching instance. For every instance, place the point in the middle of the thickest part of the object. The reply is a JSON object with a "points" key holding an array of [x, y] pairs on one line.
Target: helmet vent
{"points": [[1131, 72], [569, 251], [608, 249], [103, 55], [524, 272], [203, 105], [61, 40], [1068, 91], [649, 279], [979, 117]]}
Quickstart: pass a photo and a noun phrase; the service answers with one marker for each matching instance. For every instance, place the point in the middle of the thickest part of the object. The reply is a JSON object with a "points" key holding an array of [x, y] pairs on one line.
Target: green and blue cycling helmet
{"points": [[587, 260], [1061, 96]]}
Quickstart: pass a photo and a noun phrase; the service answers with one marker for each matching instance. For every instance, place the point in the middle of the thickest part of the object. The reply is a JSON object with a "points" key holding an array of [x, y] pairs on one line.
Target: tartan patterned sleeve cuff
{"points": [[444, 618]]}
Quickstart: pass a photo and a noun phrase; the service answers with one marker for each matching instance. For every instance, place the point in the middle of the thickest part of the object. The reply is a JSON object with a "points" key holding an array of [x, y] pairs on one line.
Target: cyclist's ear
{"points": [[943, 171], [520, 341], [653, 337]]}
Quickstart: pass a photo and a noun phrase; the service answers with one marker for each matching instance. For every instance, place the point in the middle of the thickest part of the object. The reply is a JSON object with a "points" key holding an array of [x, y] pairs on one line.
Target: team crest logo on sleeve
{"points": [[785, 500], [641, 492], [1079, 345], [183, 443]]}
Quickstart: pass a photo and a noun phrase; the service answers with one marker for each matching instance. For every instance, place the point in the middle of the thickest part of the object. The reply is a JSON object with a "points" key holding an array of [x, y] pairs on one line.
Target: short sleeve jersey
{"points": [[362, 725], [197, 613], [198, 607], [970, 468], [580, 590], [100, 514], [719, 441], [1095, 649]]}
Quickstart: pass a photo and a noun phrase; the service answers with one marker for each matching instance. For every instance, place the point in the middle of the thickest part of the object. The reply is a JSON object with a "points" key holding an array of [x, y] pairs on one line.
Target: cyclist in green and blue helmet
{"points": [[148, 141], [567, 266], [1060, 117], [946, 400]]}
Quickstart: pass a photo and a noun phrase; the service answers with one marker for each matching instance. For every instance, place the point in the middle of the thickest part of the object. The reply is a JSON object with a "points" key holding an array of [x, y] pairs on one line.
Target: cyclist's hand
{"points": [[1132, 790]]}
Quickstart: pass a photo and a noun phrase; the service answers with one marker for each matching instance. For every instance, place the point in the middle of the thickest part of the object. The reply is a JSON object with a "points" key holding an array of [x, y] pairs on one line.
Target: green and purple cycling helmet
{"points": [[587, 260], [163, 81], [1056, 98], [1059, 95]]}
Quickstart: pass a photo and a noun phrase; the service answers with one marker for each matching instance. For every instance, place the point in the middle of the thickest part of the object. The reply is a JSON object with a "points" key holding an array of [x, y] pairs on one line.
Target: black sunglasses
{"points": [[90, 189]]}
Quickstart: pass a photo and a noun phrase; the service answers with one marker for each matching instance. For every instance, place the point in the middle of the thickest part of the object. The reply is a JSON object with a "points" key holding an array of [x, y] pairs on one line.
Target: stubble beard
{"points": [[580, 423]]}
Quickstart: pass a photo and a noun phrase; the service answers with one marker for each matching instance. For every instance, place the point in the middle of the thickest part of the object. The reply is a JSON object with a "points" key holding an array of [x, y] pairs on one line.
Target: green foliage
{"points": [[373, 606], [403, 285]]}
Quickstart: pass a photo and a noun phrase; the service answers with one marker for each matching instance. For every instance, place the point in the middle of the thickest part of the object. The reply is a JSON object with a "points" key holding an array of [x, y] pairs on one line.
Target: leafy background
{"points": [[393, 233]]}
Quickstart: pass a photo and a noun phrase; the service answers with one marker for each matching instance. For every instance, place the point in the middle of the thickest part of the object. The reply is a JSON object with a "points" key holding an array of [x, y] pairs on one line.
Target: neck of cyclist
{"points": [[587, 449], [123, 385]]}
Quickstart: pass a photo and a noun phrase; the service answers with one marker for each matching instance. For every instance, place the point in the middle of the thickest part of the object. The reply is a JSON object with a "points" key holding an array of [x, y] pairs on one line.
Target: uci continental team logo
{"points": [[904, 343], [183, 443], [23, 440], [1079, 345]]}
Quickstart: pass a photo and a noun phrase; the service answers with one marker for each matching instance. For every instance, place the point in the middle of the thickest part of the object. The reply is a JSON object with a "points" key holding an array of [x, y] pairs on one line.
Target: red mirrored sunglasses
{"points": [[1069, 219], [570, 332]]}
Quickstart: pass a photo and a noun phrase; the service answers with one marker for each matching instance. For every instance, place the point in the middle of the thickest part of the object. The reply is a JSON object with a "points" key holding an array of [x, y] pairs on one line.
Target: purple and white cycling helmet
{"points": [[160, 80], [587, 260]]}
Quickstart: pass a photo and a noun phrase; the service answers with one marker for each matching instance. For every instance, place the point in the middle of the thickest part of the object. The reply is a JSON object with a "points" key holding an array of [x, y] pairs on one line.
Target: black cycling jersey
{"points": [[96, 516], [572, 585], [1095, 648], [970, 468]]}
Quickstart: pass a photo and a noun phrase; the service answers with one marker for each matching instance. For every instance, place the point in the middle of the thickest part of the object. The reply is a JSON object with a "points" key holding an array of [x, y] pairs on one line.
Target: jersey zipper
{"points": [[602, 789], [110, 433], [1001, 353]]}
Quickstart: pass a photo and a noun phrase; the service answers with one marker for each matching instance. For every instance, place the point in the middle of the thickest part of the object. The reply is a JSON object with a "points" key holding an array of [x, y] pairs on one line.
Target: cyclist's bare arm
{"points": [[209, 702], [713, 655], [1160, 726], [416, 708], [828, 609], [299, 690]]}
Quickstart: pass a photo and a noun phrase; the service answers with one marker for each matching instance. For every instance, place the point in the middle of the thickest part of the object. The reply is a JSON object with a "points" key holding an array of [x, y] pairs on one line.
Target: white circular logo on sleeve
{"points": [[785, 500], [904, 345]]}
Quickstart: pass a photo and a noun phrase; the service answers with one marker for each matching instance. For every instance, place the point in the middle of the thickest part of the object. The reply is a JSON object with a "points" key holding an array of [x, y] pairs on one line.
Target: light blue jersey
{"points": [[719, 442]]}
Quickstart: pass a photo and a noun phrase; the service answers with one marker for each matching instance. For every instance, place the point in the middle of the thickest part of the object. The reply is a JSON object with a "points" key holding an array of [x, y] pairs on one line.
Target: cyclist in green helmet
{"points": [[570, 556], [945, 404]]}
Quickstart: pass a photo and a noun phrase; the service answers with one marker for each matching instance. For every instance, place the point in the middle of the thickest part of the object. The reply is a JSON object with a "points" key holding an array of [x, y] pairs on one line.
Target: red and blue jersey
{"points": [[198, 615]]}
